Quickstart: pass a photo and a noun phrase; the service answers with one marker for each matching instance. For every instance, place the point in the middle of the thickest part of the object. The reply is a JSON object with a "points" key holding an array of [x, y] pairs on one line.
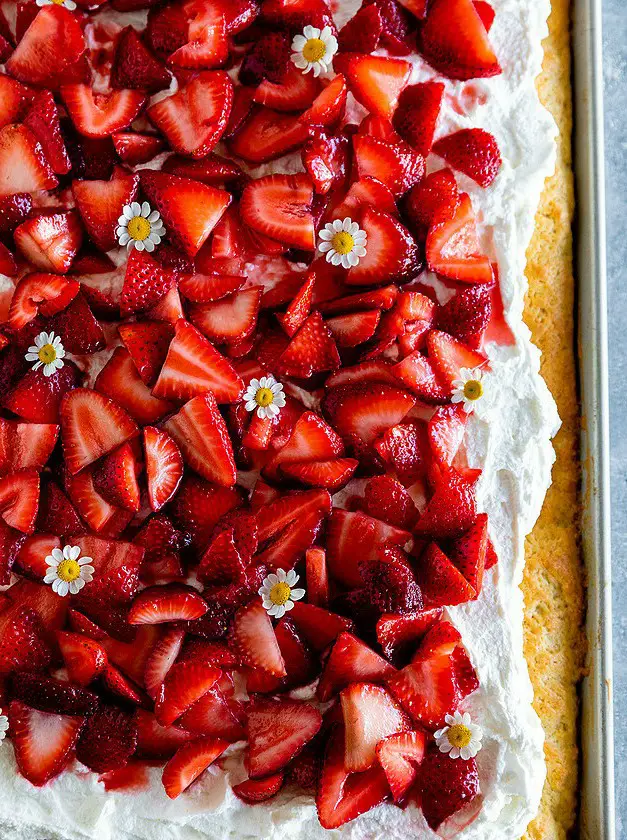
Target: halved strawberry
{"points": [[91, 426], [416, 373], [311, 350], [193, 366], [120, 381], [294, 91], [467, 315], [77, 326], [134, 66], [98, 514], [232, 318], [155, 741], [398, 635], [442, 584], [362, 412], [52, 43], [221, 562], [450, 356], [115, 478], [202, 436], [279, 206], [135, 148], [375, 81], [331, 474], [145, 283], [101, 114], [164, 466], [19, 500], [468, 552], [36, 397], [207, 44], [14, 209], [84, 658], [277, 731], [392, 255], [255, 641], [213, 714], [328, 107], [400, 756], [190, 209], [43, 742], [291, 522], [370, 715], [472, 151], [43, 120], [318, 626], [198, 506], [116, 684], [258, 790], [25, 445], [369, 191], [184, 684], [417, 114], [432, 201], [452, 247], [382, 298], [396, 165], [386, 499], [354, 328], [317, 577], [195, 117], [107, 740], [389, 582], [100, 204], [453, 39], [267, 134], [161, 604], [446, 432], [325, 160], [50, 241], [147, 343], [362, 32], [207, 288], [342, 795], [312, 439], [351, 661], [117, 567], [189, 762], [446, 789], [51, 695]]}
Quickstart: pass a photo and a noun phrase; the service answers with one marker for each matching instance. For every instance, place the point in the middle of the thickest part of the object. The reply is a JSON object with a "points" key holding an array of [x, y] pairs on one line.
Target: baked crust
{"points": [[553, 584]]}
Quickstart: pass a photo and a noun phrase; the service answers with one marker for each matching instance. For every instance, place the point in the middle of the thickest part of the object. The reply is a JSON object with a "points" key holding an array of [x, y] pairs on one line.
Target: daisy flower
{"points": [[4, 725], [139, 227], [47, 351], [265, 395], [469, 388], [67, 4], [314, 49], [278, 593], [68, 572], [343, 242], [460, 738]]}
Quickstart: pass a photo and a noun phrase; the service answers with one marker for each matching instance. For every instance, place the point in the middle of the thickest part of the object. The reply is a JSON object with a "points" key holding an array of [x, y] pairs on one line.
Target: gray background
{"points": [[615, 74]]}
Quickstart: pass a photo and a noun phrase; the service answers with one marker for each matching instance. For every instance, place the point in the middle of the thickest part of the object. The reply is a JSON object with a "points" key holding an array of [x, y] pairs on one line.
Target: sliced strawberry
{"points": [[84, 658], [155, 741], [117, 566], [467, 315], [341, 795], [19, 500], [195, 117], [370, 715], [362, 32], [450, 356], [279, 206], [77, 326], [207, 45], [446, 789], [26, 445], [198, 506], [222, 562], [269, 59], [328, 107], [161, 604], [317, 577], [164, 466], [97, 513], [131, 653], [184, 684], [417, 114], [36, 397], [258, 790], [325, 160], [375, 81], [193, 366], [362, 412], [23, 643], [382, 298], [452, 508], [145, 283], [136, 148], [351, 661], [101, 114], [52, 43], [319, 627], [454, 41], [14, 98], [391, 255], [312, 350], [189, 762], [416, 373], [107, 740], [147, 343], [468, 552], [29, 554], [277, 731], [331, 474], [472, 151], [43, 120], [14, 209], [398, 635], [43, 742], [299, 308], [50, 695], [120, 381], [453, 249], [255, 641], [117, 685], [446, 432], [370, 191], [354, 328], [214, 715], [400, 756], [312, 439], [389, 582], [386, 499], [51, 241], [135, 67], [294, 92], [231, 319], [266, 135], [276, 517], [115, 478], [100, 204], [207, 288], [396, 165]]}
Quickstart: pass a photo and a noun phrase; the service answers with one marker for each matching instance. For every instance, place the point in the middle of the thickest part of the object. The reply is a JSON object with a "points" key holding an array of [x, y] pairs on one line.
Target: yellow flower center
{"points": [[139, 228], [473, 389], [264, 397], [459, 735], [314, 50], [68, 570], [47, 354], [58, 2], [343, 242], [280, 594]]}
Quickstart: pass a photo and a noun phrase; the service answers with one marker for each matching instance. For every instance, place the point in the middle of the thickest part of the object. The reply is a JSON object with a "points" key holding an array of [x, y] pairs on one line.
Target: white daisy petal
{"points": [[281, 575], [291, 577], [262, 412], [298, 42], [297, 594]]}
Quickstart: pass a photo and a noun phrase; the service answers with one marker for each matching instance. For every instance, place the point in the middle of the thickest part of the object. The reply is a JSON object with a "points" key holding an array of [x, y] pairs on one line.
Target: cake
{"points": [[274, 430]]}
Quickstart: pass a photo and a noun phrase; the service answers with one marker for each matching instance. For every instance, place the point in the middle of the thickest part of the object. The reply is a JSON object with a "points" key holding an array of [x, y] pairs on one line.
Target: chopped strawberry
{"points": [[258, 790], [29, 554], [354, 328], [279, 206], [398, 635], [100, 204], [101, 114], [50, 46], [294, 92], [77, 326], [145, 283], [453, 39], [446, 786], [390, 583], [486, 13], [417, 114], [267, 134], [43, 120], [97, 513], [36, 397], [51, 695], [416, 373], [277, 731], [396, 165], [468, 552], [362, 32], [108, 739], [19, 500], [189, 762], [351, 661], [147, 343], [212, 169], [386, 499], [222, 562], [332, 474], [417, 7], [194, 118], [26, 445], [312, 439], [43, 742], [317, 577], [452, 508], [84, 658], [375, 81], [193, 367], [115, 478], [467, 315], [135, 67], [14, 209], [207, 45], [120, 381], [400, 755], [432, 202], [255, 641], [293, 521], [161, 604], [370, 715], [136, 148], [155, 741], [362, 412], [213, 714], [184, 684], [453, 249], [50, 241], [164, 466], [207, 288], [325, 160], [472, 151], [450, 356], [311, 350], [198, 506], [269, 59], [446, 432], [392, 253], [233, 318], [341, 795], [14, 98], [23, 643], [319, 627], [295, 14]]}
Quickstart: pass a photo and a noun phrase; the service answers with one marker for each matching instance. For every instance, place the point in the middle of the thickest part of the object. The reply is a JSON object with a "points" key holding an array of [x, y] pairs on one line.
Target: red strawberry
{"points": [[354, 328], [97, 513], [293, 521], [26, 445], [119, 687], [446, 432], [101, 114], [233, 318], [312, 349], [319, 627], [145, 283], [392, 255], [221, 563], [37, 397], [442, 584], [472, 151], [362, 412], [84, 658], [79, 330], [117, 565], [195, 117], [396, 165], [136, 148], [100, 204], [36, 291], [245, 534], [390, 583], [399, 634], [255, 641], [147, 343], [325, 159], [267, 134], [362, 32], [156, 741], [135, 67], [43, 742], [13, 210], [331, 474], [466, 315], [28, 553], [164, 466], [120, 381], [375, 81], [455, 42], [115, 478], [161, 604], [416, 373], [453, 249], [400, 755], [312, 439], [417, 7], [19, 500], [295, 91], [184, 684], [51, 241], [486, 13], [299, 308], [198, 506], [295, 14], [207, 44], [468, 552], [432, 201], [417, 114], [386, 499], [277, 731], [278, 206], [189, 762], [258, 790], [193, 366], [317, 577], [13, 96], [382, 298], [449, 356], [491, 557], [351, 661], [446, 786], [50, 695], [108, 740], [23, 646], [370, 715], [214, 715], [370, 191], [207, 288], [52, 43], [202, 436], [43, 120], [341, 795]]}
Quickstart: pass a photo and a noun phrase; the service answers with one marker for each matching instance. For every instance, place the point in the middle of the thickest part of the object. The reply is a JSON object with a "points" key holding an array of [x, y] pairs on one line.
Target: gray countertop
{"points": [[615, 74]]}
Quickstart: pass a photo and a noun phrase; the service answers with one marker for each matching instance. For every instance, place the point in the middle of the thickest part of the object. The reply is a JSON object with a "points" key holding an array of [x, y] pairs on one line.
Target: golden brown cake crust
{"points": [[553, 584]]}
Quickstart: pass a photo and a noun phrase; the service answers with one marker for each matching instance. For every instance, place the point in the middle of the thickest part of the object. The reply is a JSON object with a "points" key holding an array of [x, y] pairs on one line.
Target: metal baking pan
{"points": [[597, 784]]}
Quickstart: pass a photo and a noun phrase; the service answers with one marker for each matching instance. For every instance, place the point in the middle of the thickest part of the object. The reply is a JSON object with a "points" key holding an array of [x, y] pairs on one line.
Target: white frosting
{"points": [[509, 438]]}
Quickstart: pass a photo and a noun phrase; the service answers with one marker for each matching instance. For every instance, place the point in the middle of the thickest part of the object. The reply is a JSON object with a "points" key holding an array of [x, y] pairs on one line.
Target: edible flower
{"points": [[461, 738], [4, 725], [68, 572], [140, 227], [67, 4], [469, 388], [343, 242], [314, 49], [266, 396], [278, 593], [47, 351]]}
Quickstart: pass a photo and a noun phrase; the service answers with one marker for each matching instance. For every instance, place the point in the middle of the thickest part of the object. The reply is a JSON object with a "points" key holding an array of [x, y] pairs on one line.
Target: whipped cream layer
{"points": [[509, 438]]}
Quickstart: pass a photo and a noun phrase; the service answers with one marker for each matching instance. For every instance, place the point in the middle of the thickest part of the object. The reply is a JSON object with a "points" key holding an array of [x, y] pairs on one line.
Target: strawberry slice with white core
{"points": [[452, 247], [101, 114], [214, 715], [50, 241], [312, 439], [120, 381], [19, 500], [351, 660], [258, 790], [202, 436], [450, 356], [375, 81], [391, 253], [277, 731], [100, 203], [184, 684], [279, 206], [400, 756], [207, 46], [331, 474], [319, 627], [363, 412], [317, 577], [161, 659], [394, 165], [84, 658], [446, 432], [207, 288], [255, 641], [231, 319], [52, 42], [164, 466], [91, 426], [189, 762], [161, 604], [354, 328], [370, 715], [33, 290]]}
